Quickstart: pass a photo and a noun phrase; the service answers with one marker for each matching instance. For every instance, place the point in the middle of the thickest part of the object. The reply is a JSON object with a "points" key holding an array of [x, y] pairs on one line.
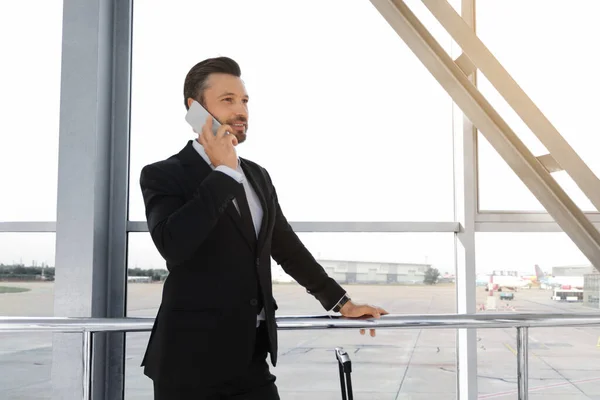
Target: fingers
{"points": [[202, 139], [370, 310], [365, 311], [377, 312], [207, 129], [371, 332], [224, 130], [207, 136]]}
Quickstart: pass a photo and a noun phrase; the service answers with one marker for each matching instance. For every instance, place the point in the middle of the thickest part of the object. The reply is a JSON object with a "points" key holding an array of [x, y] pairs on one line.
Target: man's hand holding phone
{"points": [[219, 148]]}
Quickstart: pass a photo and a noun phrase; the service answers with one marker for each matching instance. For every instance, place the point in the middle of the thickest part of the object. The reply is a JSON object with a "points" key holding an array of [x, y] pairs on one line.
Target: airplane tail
{"points": [[538, 272]]}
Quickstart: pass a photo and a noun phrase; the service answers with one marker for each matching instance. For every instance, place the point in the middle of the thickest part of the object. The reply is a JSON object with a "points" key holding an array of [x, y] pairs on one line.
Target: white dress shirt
{"points": [[253, 202]]}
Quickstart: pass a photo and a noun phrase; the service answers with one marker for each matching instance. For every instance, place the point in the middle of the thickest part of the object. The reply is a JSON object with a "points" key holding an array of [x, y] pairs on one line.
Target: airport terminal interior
{"points": [[438, 158]]}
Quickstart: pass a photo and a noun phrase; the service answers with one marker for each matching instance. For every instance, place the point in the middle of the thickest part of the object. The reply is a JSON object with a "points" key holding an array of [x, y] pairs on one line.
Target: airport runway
{"points": [[396, 364]]}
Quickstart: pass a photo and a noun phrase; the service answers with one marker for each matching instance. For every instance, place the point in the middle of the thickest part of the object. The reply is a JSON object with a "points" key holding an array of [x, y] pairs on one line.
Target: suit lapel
{"points": [[258, 189], [199, 169], [237, 219]]}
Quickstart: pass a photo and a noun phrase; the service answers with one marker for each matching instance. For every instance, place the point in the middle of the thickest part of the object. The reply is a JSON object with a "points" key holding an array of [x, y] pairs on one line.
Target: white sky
{"points": [[346, 119]]}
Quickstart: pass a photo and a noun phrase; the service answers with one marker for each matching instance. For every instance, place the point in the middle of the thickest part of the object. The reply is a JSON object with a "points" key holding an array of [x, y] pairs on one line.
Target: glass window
{"points": [[400, 261], [30, 103], [373, 268], [27, 290], [348, 130], [27, 273], [557, 68], [536, 273]]}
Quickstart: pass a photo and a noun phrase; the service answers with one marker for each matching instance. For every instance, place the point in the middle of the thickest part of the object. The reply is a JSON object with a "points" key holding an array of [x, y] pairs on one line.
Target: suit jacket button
{"points": [[254, 302]]}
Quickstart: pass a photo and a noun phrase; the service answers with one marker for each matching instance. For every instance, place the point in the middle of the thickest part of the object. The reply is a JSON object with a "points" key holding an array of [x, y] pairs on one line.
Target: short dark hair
{"points": [[195, 80]]}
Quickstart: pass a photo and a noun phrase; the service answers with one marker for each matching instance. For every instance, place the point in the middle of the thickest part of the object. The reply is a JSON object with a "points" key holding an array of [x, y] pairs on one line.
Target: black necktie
{"points": [[245, 214]]}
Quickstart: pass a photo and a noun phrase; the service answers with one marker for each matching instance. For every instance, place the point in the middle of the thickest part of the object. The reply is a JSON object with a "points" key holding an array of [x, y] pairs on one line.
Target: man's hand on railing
{"points": [[352, 310]]}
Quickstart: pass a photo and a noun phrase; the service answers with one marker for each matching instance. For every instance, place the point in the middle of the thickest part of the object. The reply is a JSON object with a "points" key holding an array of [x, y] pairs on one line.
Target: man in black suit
{"points": [[215, 219]]}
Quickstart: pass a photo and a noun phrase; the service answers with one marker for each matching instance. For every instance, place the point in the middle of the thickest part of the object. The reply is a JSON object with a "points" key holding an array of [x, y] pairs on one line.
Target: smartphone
{"points": [[196, 117]]}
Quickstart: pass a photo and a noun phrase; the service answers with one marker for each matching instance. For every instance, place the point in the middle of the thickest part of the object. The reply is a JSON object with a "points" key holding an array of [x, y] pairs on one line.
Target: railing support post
{"points": [[523, 361], [87, 364]]}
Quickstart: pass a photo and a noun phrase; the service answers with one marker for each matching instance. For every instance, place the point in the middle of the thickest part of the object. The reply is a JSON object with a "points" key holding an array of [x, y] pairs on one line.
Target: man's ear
{"points": [[189, 102]]}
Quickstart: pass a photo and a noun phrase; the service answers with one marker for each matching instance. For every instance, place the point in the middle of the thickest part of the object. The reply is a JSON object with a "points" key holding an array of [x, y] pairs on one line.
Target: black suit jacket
{"points": [[205, 328]]}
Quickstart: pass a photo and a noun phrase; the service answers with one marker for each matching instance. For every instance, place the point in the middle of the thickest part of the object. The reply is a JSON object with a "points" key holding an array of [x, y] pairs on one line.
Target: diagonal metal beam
{"points": [[533, 117], [533, 174], [550, 163]]}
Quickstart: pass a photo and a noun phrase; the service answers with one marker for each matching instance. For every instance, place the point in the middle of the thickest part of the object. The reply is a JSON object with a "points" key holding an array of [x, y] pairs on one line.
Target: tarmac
{"points": [[396, 364]]}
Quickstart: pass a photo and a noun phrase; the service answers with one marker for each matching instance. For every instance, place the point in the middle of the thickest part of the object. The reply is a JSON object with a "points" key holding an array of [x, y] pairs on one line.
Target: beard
{"points": [[240, 136], [241, 133]]}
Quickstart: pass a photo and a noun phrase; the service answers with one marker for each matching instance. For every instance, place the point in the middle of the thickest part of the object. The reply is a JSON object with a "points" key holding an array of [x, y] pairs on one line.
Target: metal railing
{"points": [[522, 322]]}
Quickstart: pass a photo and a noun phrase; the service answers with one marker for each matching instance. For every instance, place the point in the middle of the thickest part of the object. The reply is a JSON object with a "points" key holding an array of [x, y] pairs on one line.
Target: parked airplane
{"points": [[482, 280], [549, 281], [500, 282]]}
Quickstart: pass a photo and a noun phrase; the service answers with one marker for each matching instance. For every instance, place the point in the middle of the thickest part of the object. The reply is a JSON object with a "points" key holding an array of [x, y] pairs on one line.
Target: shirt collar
{"points": [[200, 149]]}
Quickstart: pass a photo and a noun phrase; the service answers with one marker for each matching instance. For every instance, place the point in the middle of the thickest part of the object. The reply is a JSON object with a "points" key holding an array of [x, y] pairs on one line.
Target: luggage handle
{"points": [[345, 367]]}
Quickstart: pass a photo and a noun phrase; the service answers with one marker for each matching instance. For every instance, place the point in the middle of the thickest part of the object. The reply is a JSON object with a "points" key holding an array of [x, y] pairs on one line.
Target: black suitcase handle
{"points": [[345, 366]]}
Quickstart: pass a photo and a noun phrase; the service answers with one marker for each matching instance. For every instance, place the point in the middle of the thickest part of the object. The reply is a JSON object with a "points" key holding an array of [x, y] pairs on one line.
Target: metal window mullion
{"points": [[465, 190], [28, 226], [92, 190], [350, 226]]}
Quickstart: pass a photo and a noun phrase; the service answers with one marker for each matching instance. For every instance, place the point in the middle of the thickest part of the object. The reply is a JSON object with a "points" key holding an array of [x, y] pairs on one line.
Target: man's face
{"points": [[225, 97]]}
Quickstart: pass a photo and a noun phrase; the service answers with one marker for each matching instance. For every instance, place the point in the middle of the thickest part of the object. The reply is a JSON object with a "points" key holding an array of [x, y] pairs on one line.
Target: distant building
{"points": [[368, 272], [375, 272], [505, 273], [573, 270], [139, 279], [591, 289]]}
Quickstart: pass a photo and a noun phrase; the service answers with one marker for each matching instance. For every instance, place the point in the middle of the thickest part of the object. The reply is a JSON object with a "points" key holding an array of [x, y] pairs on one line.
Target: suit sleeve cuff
{"points": [[230, 172], [336, 304], [330, 295]]}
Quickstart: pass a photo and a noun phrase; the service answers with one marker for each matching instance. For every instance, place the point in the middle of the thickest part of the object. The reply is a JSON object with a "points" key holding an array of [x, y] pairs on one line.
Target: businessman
{"points": [[215, 218]]}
